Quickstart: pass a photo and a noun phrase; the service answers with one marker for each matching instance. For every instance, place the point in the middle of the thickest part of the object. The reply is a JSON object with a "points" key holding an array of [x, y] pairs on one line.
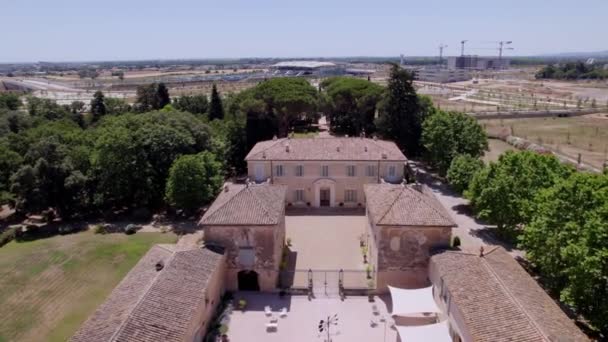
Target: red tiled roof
{"points": [[151, 305], [405, 205], [500, 301], [326, 149], [254, 204]]}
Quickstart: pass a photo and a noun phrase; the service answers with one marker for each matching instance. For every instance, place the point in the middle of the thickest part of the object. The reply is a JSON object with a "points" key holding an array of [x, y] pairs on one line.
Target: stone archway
{"points": [[325, 192], [248, 281]]}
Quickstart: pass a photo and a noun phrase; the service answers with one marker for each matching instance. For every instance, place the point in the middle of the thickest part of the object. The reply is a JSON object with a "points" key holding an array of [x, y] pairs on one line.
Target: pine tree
{"points": [[162, 96], [98, 106], [401, 115], [216, 108]]}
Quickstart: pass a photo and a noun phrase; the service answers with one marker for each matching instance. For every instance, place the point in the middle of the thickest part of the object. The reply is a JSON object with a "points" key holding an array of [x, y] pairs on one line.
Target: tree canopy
{"points": [[572, 71], [462, 170], [568, 240], [401, 113], [153, 96], [216, 107], [448, 134], [195, 104], [350, 104], [503, 192], [193, 181]]}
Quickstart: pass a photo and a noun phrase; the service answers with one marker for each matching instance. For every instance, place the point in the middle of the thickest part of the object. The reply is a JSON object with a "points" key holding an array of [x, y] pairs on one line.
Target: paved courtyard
{"points": [[326, 242], [301, 323]]}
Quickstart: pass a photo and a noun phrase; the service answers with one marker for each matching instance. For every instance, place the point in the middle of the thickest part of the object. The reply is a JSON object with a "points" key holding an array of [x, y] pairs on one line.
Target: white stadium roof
{"points": [[303, 64]]}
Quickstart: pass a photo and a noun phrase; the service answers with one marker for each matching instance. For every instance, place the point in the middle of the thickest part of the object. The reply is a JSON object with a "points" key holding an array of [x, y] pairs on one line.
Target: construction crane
{"points": [[462, 47], [501, 47], [441, 47]]}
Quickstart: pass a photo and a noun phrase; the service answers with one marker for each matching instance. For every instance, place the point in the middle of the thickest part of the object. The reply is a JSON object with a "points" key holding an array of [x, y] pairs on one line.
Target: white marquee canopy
{"points": [[438, 332], [408, 302]]}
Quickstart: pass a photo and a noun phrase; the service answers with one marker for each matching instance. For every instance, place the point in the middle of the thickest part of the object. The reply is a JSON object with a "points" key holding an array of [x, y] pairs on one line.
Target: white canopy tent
{"points": [[407, 302], [438, 332]]}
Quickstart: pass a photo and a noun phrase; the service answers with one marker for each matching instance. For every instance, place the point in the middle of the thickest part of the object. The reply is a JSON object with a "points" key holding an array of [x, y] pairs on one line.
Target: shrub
{"points": [[100, 229], [456, 242], [131, 229], [461, 171], [9, 235]]}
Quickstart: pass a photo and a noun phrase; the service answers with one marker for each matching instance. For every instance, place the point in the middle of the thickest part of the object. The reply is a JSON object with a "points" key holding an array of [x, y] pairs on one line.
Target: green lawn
{"points": [[50, 286]]}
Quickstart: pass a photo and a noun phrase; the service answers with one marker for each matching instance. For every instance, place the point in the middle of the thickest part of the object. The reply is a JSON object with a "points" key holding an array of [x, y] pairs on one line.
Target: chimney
{"points": [[338, 148], [226, 188], [417, 186], [365, 148], [481, 252], [287, 148], [375, 137], [274, 137], [384, 156]]}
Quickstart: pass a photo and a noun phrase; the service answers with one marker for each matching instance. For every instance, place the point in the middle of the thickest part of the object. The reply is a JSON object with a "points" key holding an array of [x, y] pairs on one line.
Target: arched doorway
{"points": [[248, 281]]}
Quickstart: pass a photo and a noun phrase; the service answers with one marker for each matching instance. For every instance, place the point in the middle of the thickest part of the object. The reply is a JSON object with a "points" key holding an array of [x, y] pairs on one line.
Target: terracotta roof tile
{"points": [[151, 305], [405, 205], [326, 149], [255, 204], [500, 301]]}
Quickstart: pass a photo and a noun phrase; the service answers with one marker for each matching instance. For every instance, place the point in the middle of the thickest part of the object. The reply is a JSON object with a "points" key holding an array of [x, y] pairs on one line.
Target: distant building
{"points": [[478, 63], [437, 74], [301, 68]]}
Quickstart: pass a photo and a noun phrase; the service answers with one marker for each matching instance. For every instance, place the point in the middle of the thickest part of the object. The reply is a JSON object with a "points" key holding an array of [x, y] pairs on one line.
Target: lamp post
{"points": [[325, 325]]}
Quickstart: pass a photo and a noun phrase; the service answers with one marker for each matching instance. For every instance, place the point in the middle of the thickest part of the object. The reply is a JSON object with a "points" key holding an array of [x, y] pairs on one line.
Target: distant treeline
{"points": [[573, 71]]}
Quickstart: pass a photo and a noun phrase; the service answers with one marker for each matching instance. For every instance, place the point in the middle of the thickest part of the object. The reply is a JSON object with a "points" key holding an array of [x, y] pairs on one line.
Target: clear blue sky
{"points": [[73, 30]]}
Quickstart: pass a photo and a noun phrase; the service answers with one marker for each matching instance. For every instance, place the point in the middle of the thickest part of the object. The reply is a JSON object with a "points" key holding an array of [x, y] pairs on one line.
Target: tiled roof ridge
{"points": [[216, 210], [390, 207], [511, 296], [278, 140], [141, 298], [375, 142], [262, 202], [433, 206]]}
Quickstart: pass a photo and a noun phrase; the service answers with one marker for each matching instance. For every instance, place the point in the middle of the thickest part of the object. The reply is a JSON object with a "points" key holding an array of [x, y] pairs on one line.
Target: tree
{"points": [[9, 101], [195, 104], [153, 96], [216, 108], [10, 162], [503, 192], [462, 170], [46, 108], [116, 106], [193, 181], [568, 240], [98, 106], [350, 104], [448, 134], [401, 114]]}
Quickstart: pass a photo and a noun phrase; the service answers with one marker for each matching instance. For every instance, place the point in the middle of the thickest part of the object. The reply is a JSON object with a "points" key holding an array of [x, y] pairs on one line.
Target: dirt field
{"points": [[587, 135], [50, 286], [497, 147]]}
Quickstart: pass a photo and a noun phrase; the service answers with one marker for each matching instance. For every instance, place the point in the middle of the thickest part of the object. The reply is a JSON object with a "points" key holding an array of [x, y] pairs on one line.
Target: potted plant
{"points": [[368, 269], [364, 252], [370, 289], [242, 304]]}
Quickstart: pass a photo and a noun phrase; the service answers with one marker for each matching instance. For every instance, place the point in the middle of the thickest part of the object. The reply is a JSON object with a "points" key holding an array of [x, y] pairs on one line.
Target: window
{"points": [[278, 170], [350, 196], [325, 171], [392, 171], [370, 171], [350, 170], [299, 170], [246, 257], [299, 195]]}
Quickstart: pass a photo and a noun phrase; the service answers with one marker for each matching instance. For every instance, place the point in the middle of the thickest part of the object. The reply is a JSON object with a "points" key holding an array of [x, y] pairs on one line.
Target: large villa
{"points": [[324, 227]]}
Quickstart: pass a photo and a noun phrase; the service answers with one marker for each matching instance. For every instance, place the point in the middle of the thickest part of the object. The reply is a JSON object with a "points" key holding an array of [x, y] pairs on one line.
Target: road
{"points": [[472, 232]]}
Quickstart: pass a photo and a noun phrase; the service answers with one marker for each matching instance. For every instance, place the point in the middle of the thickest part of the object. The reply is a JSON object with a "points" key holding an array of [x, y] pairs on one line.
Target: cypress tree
{"points": [[216, 108]]}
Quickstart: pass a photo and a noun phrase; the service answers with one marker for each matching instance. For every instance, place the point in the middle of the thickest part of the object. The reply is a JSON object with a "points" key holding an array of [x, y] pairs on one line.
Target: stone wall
{"points": [[267, 242]]}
